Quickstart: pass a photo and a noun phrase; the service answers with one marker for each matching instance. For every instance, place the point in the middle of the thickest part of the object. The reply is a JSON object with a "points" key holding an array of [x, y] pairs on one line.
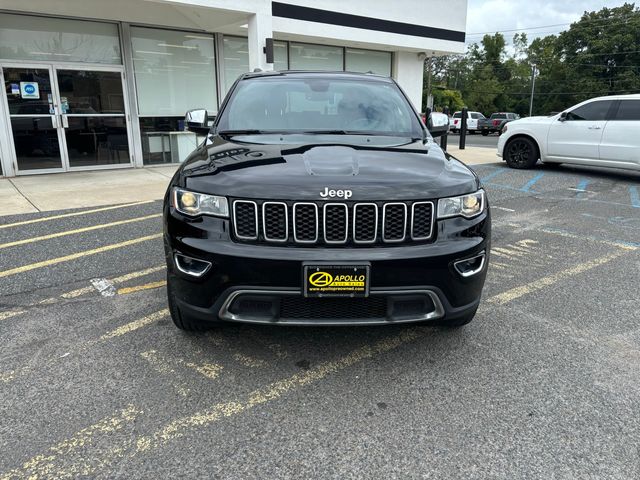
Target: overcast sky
{"points": [[501, 15]]}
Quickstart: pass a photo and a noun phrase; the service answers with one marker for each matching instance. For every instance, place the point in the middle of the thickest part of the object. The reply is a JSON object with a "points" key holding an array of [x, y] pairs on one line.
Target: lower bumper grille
{"points": [[334, 308], [257, 306]]}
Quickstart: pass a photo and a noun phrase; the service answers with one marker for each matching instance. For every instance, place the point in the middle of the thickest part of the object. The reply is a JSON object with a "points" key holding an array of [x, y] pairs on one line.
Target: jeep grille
{"points": [[332, 223]]}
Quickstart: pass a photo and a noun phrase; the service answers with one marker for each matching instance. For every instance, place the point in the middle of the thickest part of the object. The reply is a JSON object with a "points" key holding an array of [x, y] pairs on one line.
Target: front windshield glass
{"points": [[319, 105]]}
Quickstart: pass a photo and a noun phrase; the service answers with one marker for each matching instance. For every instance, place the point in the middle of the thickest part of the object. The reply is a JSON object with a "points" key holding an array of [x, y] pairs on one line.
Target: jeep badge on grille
{"points": [[346, 194]]}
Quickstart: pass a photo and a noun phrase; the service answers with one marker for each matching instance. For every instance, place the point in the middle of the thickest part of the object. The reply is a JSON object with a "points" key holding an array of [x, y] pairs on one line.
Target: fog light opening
{"points": [[470, 266], [191, 266]]}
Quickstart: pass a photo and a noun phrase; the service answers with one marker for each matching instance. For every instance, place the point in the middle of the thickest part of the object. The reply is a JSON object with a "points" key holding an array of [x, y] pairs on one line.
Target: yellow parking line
{"points": [[74, 214], [8, 376], [248, 361], [84, 290], [43, 465], [508, 252], [163, 366], [137, 288], [54, 464], [10, 313], [74, 256], [517, 292], [136, 324], [77, 230], [209, 370], [115, 280], [611, 243], [499, 254], [527, 242]]}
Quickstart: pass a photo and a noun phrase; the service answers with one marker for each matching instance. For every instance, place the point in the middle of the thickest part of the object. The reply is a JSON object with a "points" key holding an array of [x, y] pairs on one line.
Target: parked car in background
{"points": [[472, 121], [602, 132], [495, 122]]}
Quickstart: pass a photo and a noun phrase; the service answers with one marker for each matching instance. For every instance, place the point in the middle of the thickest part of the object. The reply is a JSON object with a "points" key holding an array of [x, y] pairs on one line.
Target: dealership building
{"points": [[99, 84]]}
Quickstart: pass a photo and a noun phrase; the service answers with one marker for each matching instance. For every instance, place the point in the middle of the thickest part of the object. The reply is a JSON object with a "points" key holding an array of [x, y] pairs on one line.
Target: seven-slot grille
{"points": [[333, 223]]}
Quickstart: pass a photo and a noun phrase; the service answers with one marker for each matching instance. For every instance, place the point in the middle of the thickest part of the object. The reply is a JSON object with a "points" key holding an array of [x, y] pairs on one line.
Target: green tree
{"points": [[444, 97], [597, 55]]}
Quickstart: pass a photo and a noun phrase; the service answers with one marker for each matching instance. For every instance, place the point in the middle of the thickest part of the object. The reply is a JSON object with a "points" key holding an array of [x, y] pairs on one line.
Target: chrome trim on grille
{"points": [[433, 217], [224, 313], [384, 215], [235, 223], [346, 223], [286, 222], [262, 227], [295, 235], [375, 234]]}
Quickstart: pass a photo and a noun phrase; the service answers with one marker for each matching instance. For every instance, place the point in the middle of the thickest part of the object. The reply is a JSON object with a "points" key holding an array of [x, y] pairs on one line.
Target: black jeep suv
{"points": [[321, 198]]}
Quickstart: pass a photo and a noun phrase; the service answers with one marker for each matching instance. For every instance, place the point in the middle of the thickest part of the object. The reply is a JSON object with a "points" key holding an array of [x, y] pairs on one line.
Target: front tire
{"points": [[521, 153]]}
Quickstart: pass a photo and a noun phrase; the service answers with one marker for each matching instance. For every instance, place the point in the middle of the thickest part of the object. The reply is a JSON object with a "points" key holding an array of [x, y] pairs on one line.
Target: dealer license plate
{"points": [[328, 280]]}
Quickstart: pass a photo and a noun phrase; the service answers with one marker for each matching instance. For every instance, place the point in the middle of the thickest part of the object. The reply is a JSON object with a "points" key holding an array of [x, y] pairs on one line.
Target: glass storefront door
{"points": [[32, 118], [93, 115], [67, 118]]}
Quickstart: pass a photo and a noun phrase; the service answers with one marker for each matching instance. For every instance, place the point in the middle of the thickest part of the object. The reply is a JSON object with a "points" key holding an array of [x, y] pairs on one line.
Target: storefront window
{"points": [[175, 72], [315, 57], [38, 39], [368, 61], [236, 59], [164, 140], [280, 56]]}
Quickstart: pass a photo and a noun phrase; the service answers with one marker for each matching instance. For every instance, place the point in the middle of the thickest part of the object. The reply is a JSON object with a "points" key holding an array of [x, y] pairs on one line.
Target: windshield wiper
{"points": [[348, 132], [242, 132]]}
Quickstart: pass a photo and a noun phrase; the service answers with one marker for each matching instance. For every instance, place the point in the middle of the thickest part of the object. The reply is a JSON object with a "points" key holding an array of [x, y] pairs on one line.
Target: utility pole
{"points": [[533, 87], [429, 97]]}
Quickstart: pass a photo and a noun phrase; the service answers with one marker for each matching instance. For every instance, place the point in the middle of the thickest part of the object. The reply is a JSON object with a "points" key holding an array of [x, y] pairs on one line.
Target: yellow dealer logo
{"points": [[320, 279]]}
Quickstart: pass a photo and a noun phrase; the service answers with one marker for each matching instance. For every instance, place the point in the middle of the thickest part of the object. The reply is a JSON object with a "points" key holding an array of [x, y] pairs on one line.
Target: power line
{"points": [[602, 93], [519, 29], [581, 21]]}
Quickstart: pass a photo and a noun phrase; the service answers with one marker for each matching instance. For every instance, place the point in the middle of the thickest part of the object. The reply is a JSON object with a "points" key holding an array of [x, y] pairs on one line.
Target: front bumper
{"points": [[263, 283]]}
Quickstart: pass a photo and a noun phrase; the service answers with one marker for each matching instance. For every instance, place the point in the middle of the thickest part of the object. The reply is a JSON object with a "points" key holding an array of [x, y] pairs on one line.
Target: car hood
{"points": [[532, 120], [415, 170]]}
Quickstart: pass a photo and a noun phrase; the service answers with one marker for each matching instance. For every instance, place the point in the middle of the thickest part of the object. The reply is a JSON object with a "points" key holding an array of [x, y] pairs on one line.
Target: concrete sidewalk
{"points": [[40, 193], [474, 155]]}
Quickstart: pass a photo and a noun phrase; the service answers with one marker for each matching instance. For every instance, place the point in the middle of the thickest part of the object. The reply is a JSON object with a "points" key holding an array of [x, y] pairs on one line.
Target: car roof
{"points": [[317, 74], [632, 96]]}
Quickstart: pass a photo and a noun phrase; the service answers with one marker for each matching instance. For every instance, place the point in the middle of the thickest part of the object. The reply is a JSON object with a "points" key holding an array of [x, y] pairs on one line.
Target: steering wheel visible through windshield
{"points": [[318, 105]]}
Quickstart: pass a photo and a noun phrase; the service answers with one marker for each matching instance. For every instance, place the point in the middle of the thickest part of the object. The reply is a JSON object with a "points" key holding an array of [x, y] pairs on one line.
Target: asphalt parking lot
{"points": [[545, 383]]}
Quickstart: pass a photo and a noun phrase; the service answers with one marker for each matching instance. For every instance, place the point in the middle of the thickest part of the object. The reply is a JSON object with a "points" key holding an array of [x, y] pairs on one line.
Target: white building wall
{"points": [[442, 14], [410, 29], [408, 68]]}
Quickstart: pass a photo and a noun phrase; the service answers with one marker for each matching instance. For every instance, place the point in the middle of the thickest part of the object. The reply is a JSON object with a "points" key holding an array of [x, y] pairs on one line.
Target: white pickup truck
{"points": [[472, 121]]}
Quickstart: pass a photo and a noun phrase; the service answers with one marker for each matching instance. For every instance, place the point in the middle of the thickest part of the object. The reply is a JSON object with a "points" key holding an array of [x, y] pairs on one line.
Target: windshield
{"points": [[499, 115], [319, 105]]}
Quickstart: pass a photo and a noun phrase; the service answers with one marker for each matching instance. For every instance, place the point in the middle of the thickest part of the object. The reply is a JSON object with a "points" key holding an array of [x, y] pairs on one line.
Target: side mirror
{"points": [[563, 116], [438, 124], [197, 121]]}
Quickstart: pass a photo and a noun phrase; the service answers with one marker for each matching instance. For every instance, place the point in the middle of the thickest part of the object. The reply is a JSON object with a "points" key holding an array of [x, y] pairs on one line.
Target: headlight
{"points": [[192, 203], [467, 206], [504, 129]]}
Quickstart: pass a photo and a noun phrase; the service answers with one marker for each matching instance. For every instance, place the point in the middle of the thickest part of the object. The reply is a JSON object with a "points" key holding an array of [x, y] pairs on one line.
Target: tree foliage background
{"points": [[597, 55]]}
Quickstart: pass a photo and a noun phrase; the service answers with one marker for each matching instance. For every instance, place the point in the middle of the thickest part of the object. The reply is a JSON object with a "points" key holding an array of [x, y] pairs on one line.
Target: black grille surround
{"points": [[332, 224]]}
